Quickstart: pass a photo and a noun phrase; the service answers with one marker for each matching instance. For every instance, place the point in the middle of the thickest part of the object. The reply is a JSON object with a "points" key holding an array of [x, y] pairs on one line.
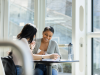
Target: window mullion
{"points": [[93, 34], [39, 16], [6, 18], [89, 22]]}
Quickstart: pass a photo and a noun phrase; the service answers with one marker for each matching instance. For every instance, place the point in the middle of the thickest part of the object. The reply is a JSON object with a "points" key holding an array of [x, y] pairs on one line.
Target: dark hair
{"points": [[28, 32], [49, 28]]}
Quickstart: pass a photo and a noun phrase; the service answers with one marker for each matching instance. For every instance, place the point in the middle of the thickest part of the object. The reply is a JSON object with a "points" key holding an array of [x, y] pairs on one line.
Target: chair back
{"points": [[25, 55]]}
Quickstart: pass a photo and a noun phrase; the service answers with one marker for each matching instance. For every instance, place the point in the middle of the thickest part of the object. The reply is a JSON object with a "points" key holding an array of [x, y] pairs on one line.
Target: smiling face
{"points": [[47, 35]]}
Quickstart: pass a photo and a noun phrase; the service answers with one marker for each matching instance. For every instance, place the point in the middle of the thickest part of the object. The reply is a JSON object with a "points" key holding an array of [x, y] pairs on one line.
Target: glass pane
{"points": [[21, 12], [96, 56], [64, 68], [96, 15], [59, 16]]}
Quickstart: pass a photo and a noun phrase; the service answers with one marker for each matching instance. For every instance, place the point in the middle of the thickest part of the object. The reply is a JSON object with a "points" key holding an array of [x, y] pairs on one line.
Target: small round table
{"points": [[49, 63]]}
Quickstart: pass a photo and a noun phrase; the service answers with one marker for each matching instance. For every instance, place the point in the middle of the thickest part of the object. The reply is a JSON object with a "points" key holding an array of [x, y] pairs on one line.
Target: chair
{"points": [[24, 52]]}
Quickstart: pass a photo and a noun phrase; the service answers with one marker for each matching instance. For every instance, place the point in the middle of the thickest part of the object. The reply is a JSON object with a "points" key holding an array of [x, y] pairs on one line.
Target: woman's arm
{"points": [[48, 56], [57, 49], [32, 45]]}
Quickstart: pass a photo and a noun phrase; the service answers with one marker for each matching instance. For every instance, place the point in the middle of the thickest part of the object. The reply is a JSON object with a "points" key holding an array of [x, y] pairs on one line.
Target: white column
{"points": [[79, 37], [4, 22], [6, 18], [39, 16], [89, 25], [1, 19]]}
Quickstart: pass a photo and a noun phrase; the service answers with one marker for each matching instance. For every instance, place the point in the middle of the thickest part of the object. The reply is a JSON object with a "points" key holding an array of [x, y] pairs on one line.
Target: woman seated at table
{"points": [[46, 46], [27, 35]]}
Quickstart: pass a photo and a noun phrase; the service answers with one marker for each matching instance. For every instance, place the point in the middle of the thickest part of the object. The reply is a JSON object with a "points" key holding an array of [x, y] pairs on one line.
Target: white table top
{"points": [[54, 61]]}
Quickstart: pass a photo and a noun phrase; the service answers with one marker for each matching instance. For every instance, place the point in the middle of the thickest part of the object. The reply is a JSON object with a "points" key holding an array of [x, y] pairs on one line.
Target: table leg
{"points": [[49, 70]]}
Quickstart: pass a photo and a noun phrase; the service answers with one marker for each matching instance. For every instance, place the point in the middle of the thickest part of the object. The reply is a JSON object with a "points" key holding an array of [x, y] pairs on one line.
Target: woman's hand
{"points": [[54, 56], [41, 53], [32, 45], [9, 53]]}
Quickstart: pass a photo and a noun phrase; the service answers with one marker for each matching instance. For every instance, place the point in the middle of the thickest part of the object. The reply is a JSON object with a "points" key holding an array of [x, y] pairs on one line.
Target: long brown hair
{"points": [[28, 32]]}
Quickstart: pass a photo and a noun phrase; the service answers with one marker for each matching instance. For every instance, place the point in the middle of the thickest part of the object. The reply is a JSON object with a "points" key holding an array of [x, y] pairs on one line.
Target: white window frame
{"points": [[4, 19], [39, 16]]}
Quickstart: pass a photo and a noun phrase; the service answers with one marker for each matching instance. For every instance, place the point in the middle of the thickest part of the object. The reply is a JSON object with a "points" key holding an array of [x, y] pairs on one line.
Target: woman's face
{"points": [[47, 35]]}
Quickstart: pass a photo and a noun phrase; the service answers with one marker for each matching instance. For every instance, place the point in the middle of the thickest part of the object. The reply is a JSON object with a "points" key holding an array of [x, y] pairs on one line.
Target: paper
{"points": [[51, 59]]}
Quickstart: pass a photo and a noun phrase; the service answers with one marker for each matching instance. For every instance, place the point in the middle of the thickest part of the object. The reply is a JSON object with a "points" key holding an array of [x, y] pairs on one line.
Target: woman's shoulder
{"points": [[53, 42], [38, 40], [24, 40]]}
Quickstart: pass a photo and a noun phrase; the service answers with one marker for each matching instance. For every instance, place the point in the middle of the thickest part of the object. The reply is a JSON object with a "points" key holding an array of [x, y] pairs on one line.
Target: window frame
{"points": [[39, 16], [4, 19]]}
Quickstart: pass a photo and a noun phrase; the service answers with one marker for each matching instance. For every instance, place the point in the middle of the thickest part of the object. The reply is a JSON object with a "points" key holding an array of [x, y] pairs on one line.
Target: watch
{"points": [[42, 57]]}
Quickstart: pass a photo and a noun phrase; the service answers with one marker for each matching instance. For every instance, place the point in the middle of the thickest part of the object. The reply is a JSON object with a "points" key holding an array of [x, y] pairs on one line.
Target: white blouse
{"points": [[40, 51]]}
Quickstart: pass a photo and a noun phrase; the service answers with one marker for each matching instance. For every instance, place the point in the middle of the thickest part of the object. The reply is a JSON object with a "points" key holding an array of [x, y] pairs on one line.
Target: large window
{"points": [[96, 15], [21, 12], [96, 56], [59, 16], [96, 41]]}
